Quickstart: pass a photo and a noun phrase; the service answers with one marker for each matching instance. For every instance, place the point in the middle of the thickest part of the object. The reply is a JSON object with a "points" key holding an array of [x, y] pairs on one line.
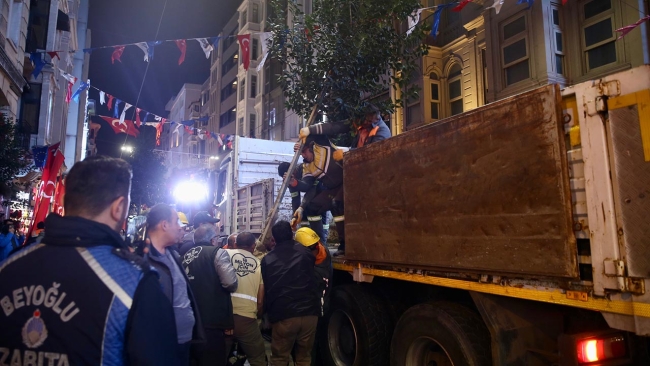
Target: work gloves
{"points": [[304, 132], [297, 218]]}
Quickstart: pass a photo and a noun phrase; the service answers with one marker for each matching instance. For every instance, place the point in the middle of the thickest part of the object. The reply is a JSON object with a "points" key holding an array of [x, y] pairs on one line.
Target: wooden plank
{"points": [[484, 191]]}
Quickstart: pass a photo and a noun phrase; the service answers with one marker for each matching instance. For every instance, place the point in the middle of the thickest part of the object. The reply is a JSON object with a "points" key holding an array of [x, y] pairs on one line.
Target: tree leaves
{"points": [[352, 50], [14, 159]]}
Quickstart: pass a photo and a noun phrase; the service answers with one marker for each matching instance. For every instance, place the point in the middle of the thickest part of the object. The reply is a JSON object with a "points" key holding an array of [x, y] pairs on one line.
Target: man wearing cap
{"points": [[201, 218], [318, 164], [323, 267], [372, 129]]}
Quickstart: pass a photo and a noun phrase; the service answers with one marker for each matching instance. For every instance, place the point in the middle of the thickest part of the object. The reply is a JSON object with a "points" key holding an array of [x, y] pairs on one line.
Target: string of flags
{"points": [[208, 45], [120, 124]]}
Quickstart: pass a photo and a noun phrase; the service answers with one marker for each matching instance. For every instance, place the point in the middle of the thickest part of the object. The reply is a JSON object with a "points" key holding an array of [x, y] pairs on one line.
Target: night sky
{"points": [[128, 21]]}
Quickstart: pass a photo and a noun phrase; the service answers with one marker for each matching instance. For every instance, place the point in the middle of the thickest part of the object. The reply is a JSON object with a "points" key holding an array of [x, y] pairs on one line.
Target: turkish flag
{"points": [[127, 127], [58, 197], [47, 187], [245, 46]]}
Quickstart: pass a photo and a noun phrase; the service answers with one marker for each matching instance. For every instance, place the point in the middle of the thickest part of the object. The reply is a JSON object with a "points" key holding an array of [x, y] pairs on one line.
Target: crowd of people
{"points": [[82, 295]]}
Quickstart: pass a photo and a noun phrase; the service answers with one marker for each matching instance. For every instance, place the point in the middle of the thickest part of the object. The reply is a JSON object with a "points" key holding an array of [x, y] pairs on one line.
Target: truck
{"points": [[247, 182], [517, 233]]}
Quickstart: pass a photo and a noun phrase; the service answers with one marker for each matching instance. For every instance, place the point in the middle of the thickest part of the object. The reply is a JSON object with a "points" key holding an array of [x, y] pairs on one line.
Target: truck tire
{"points": [[357, 329], [442, 334]]}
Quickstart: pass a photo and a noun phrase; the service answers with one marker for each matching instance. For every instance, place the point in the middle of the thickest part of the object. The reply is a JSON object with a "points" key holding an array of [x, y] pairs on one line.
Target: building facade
{"points": [[59, 26], [179, 144], [479, 56], [13, 35]]}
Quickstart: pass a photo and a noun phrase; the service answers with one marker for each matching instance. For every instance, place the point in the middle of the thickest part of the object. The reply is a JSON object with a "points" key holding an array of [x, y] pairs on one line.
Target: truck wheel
{"points": [[357, 329], [442, 334]]}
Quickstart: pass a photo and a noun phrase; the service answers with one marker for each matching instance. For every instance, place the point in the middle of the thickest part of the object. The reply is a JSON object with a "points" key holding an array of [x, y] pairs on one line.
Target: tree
{"points": [[149, 184], [346, 51], [14, 159]]}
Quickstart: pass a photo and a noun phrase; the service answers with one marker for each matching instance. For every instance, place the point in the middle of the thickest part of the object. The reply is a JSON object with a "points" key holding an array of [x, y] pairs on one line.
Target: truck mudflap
{"points": [[486, 191]]}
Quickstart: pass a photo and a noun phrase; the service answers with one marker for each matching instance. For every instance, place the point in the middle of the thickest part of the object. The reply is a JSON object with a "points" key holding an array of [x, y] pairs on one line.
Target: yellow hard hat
{"points": [[306, 236], [183, 218]]}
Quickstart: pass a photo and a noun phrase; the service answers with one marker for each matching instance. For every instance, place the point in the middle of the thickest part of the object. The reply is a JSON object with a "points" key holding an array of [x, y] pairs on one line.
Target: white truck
{"points": [[247, 183]]}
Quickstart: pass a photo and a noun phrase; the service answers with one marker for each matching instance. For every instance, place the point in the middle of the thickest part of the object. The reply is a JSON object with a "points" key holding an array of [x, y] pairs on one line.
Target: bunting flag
{"points": [[39, 64], [47, 188], [116, 110], [529, 2], [123, 115], [68, 93], [264, 38], [70, 78], [110, 102], [117, 54], [138, 123], [54, 54], [413, 20], [244, 43], [146, 116], [628, 28], [206, 46], [81, 88], [188, 130], [215, 43], [496, 5], [102, 98], [436, 18], [159, 129], [119, 126], [182, 45], [461, 5], [145, 48]]}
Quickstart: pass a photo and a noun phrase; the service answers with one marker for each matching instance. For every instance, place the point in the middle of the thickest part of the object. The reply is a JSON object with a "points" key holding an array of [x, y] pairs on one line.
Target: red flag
{"points": [[47, 187], [244, 43], [188, 130], [207, 133], [182, 45], [118, 126], [110, 102], [564, 2], [137, 117], [159, 129], [117, 54], [461, 5], [58, 197], [54, 54], [68, 94], [628, 28]]}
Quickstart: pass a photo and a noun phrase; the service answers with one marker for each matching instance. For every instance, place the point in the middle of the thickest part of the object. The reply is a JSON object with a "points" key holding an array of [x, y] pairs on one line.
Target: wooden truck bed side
{"points": [[486, 191]]}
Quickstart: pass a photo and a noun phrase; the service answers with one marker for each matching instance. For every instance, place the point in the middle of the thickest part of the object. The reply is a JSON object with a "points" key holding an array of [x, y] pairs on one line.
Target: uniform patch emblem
{"points": [[34, 331]]}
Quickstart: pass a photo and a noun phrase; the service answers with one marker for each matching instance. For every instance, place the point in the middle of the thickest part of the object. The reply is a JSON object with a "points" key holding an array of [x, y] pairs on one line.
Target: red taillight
{"points": [[599, 349]]}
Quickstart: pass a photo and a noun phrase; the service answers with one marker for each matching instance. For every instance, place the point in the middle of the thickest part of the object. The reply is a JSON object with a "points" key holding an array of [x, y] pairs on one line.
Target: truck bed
{"points": [[486, 191]]}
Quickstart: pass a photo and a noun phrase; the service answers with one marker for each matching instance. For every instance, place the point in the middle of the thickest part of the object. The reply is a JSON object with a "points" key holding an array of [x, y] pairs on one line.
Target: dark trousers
{"points": [[213, 351], [297, 334], [329, 200], [184, 354]]}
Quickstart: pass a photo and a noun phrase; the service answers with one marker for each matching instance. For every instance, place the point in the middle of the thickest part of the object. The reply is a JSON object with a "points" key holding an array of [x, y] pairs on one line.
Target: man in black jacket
{"points": [[291, 297], [212, 279], [79, 297], [164, 230]]}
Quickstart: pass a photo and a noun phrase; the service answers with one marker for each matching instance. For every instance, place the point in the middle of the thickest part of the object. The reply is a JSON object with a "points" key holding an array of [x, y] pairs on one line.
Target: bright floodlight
{"points": [[190, 191], [127, 148]]}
